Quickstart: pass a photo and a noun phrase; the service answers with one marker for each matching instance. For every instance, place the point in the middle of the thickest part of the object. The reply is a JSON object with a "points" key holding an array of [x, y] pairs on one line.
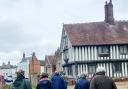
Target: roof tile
{"points": [[97, 33]]}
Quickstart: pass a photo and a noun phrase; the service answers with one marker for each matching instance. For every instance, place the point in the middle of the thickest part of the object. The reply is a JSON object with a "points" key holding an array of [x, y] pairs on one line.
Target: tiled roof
{"points": [[52, 59], [97, 33], [49, 60]]}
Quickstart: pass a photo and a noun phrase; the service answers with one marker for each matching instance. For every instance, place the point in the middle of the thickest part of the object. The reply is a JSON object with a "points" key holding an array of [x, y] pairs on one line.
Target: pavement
{"points": [[120, 85]]}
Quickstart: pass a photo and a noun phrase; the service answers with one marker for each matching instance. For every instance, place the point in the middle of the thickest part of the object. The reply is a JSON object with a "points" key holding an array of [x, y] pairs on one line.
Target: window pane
{"points": [[117, 67], [103, 51], [123, 49], [91, 69]]}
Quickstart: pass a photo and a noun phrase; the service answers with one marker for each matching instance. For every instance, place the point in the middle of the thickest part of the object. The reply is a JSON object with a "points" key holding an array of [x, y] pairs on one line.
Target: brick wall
{"points": [[34, 66]]}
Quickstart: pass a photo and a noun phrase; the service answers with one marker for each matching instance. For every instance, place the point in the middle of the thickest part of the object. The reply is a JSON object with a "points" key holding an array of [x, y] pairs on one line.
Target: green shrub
{"points": [[33, 87]]}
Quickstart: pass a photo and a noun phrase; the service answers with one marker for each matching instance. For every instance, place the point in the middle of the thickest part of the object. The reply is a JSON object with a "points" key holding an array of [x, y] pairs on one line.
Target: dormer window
{"points": [[103, 51], [123, 49]]}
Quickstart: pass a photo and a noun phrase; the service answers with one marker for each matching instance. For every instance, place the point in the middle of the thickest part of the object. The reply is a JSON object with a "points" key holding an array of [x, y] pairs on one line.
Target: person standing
{"points": [[44, 82], [58, 81], [101, 81], [82, 82], [21, 82]]}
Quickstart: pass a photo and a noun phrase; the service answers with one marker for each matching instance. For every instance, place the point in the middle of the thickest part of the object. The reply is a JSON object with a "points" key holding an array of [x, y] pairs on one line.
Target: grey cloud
{"points": [[36, 25]]}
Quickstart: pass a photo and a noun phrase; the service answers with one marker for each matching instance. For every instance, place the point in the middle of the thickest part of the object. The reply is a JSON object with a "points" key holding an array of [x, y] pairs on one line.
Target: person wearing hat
{"points": [[82, 82], [44, 82], [21, 82], [101, 81]]}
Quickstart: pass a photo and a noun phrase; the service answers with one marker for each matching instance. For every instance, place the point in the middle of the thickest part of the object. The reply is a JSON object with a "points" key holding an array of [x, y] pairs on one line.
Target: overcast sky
{"points": [[36, 25]]}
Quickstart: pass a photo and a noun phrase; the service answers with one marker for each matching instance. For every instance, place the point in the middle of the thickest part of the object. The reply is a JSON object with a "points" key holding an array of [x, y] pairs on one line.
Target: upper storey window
{"points": [[103, 51], [65, 42], [123, 49]]}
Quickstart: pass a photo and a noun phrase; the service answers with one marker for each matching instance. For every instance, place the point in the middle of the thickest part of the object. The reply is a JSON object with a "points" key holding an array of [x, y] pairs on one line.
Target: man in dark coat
{"points": [[21, 82], [100, 81], [58, 81], [44, 82], [82, 82]]}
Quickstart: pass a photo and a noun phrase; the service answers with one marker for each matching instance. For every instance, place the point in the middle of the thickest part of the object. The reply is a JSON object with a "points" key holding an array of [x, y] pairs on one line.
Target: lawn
{"points": [[33, 87]]}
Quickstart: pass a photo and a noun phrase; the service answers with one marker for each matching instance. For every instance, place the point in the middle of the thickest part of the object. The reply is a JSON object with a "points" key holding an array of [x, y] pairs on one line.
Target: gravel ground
{"points": [[120, 85]]}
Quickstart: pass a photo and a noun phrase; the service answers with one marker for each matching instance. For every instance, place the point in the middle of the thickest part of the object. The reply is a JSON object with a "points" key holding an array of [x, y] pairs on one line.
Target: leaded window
{"points": [[123, 49], [91, 68], [117, 68], [104, 51], [65, 54], [65, 42]]}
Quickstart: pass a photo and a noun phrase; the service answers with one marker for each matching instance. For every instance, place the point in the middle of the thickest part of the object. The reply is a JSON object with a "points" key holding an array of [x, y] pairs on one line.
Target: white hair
{"points": [[100, 69]]}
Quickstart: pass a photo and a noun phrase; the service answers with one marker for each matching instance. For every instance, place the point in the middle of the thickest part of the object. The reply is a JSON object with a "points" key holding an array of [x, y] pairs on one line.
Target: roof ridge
{"points": [[83, 23]]}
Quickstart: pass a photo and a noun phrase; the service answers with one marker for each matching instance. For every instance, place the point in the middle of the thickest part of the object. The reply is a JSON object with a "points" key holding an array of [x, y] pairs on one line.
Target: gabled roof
{"points": [[97, 33], [49, 60], [25, 59]]}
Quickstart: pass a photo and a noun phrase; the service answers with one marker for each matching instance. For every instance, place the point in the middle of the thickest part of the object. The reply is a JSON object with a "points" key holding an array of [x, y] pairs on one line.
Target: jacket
{"points": [[58, 82], [100, 81], [44, 83], [21, 83], [82, 84]]}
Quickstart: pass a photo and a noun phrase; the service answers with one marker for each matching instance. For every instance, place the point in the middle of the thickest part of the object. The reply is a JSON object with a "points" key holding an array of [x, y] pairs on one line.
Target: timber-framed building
{"points": [[84, 46]]}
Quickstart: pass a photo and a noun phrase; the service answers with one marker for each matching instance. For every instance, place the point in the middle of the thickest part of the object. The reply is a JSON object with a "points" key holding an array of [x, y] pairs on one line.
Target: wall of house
{"points": [[42, 69], [34, 66], [24, 66], [90, 54]]}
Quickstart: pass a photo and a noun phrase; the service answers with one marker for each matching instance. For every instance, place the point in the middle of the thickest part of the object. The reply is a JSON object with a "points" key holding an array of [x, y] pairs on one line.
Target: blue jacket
{"points": [[82, 84], [44, 84], [58, 82]]}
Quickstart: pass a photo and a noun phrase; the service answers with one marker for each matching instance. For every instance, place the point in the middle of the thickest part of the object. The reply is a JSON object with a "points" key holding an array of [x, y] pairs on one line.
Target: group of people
{"points": [[56, 82], [98, 81]]}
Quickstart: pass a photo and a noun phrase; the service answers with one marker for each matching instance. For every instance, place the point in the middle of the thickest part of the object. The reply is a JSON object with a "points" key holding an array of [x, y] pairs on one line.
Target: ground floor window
{"points": [[117, 67], [70, 71], [91, 68]]}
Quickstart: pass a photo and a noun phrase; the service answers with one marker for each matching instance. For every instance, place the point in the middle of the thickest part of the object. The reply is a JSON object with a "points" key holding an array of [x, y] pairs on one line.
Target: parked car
{"points": [[8, 80]]}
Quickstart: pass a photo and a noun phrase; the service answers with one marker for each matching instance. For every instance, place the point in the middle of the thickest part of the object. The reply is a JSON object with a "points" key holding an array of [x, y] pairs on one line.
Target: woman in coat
{"points": [[44, 82], [21, 82], [58, 81], [82, 82]]}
